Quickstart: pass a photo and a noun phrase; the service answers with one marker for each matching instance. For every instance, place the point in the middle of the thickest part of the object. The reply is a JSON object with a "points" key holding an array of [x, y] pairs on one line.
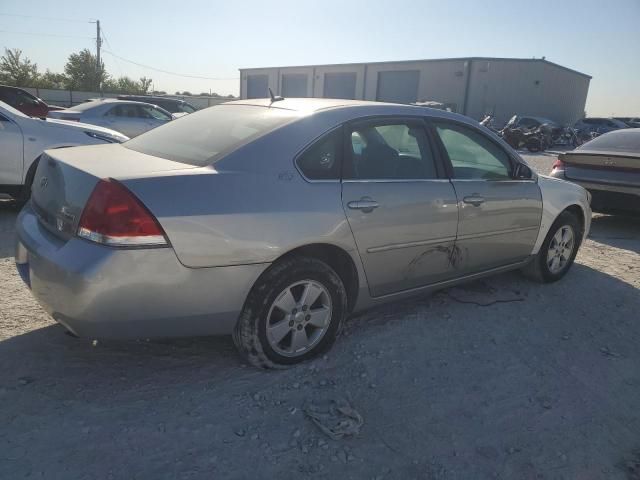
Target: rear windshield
{"points": [[627, 140], [203, 137]]}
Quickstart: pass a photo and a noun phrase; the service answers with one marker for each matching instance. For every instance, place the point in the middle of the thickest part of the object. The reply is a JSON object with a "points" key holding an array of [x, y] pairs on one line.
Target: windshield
{"points": [[12, 110], [185, 107], [627, 140], [203, 137]]}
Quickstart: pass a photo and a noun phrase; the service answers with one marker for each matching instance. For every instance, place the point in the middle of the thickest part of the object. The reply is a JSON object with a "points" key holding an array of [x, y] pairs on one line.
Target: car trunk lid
{"points": [[614, 168], [72, 115], [65, 179]]}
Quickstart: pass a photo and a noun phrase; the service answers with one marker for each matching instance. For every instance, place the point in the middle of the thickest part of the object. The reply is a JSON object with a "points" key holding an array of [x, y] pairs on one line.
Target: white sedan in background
{"points": [[23, 139], [126, 117]]}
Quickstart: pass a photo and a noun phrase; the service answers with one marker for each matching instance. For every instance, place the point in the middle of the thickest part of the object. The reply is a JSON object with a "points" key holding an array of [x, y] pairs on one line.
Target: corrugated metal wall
{"points": [[477, 86]]}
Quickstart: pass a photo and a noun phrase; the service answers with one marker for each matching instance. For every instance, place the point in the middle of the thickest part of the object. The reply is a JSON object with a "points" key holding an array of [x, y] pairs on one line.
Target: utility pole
{"points": [[98, 64]]}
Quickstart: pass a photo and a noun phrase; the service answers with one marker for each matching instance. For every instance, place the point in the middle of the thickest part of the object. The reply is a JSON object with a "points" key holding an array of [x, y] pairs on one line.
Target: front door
{"points": [[401, 209], [11, 157], [499, 215]]}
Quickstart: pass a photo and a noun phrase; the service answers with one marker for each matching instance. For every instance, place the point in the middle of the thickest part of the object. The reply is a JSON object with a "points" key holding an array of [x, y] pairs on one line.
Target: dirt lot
{"points": [[543, 383]]}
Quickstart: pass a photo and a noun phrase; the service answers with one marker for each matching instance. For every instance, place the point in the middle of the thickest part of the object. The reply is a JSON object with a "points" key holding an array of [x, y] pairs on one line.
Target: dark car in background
{"points": [[530, 123], [633, 122], [25, 102], [599, 125], [171, 105], [609, 168]]}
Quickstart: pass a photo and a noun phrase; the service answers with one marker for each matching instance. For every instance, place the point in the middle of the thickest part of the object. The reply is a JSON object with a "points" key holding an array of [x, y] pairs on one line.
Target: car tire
{"points": [[276, 320], [534, 145], [553, 260], [25, 193]]}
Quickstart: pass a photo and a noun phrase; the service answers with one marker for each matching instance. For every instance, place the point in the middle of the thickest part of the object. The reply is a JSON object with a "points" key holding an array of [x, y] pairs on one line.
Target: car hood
{"points": [[54, 122]]}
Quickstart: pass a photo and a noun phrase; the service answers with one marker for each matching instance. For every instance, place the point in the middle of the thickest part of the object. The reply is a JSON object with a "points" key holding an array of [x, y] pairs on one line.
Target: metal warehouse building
{"points": [[471, 86]]}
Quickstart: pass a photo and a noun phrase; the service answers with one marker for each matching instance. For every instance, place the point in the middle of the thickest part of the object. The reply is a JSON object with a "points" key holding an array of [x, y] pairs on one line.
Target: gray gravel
{"points": [[545, 384]]}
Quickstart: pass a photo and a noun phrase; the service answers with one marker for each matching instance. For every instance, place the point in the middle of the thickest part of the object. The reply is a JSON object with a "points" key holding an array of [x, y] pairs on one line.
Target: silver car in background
{"points": [[126, 117], [274, 220], [609, 168]]}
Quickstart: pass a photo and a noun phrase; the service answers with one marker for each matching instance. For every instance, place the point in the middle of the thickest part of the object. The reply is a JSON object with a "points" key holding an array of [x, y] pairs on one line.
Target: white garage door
{"points": [[398, 86]]}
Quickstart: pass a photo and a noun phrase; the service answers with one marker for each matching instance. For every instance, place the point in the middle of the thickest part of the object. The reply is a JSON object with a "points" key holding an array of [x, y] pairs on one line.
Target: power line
{"points": [[167, 71], [45, 34], [57, 19], [104, 35]]}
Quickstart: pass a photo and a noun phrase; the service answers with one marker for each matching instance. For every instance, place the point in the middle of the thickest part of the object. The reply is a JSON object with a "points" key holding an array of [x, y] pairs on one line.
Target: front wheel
{"points": [[558, 251], [293, 312]]}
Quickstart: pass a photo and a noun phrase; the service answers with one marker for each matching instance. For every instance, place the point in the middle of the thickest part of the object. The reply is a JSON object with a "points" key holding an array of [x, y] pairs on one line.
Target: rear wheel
{"points": [[293, 313], [534, 145], [558, 250]]}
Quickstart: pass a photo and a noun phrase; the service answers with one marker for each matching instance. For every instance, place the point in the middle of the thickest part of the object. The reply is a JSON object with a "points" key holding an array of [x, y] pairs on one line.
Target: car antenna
{"points": [[274, 98]]}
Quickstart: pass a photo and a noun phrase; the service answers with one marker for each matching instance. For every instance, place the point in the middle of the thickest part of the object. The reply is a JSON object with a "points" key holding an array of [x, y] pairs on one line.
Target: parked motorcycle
{"points": [[519, 138]]}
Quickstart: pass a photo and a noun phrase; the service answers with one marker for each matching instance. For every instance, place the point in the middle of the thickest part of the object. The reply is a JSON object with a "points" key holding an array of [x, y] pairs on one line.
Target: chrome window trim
{"points": [[419, 243], [497, 232], [396, 180], [512, 180]]}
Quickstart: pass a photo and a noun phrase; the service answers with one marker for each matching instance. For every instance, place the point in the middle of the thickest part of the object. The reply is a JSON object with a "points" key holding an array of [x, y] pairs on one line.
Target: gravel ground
{"points": [[501, 378]]}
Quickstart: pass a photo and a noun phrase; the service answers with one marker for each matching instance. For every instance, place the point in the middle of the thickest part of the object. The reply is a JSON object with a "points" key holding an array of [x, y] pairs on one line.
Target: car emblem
{"points": [[609, 162], [44, 181]]}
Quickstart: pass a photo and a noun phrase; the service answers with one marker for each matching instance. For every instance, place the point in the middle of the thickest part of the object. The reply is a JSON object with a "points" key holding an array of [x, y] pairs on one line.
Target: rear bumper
{"points": [[607, 196], [103, 292]]}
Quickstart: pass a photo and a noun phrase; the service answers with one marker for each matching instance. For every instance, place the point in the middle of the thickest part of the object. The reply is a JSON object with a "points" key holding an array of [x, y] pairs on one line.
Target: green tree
{"points": [[145, 84], [127, 85], [83, 72], [51, 79], [20, 72]]}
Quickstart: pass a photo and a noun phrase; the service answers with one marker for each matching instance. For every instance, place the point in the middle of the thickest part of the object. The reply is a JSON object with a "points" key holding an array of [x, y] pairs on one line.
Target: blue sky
{"points": [[214, 38]]}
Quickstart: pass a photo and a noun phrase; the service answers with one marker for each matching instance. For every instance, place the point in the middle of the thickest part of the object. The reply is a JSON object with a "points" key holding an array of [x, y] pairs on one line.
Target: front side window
{"points": [[126, 111], [26, 99], [321, 160], [388, 151], [185, 107], [472, 155]]}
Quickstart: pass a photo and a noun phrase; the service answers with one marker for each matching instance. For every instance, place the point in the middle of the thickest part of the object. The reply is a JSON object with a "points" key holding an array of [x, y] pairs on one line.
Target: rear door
{"points": [[499, 216], [401, 208]]}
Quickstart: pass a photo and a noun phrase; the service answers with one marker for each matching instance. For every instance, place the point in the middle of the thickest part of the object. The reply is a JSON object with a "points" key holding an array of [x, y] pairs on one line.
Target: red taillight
{"points": [[558, 164], [114, 216]]}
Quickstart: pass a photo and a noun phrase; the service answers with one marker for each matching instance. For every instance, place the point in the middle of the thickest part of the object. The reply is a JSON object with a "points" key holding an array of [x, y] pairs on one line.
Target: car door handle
{"points": [[365, 204], [475, 200]]}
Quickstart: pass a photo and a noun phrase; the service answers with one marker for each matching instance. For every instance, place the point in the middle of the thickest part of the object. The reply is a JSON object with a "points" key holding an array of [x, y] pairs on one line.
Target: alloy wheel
{"points": [[560, 249], [298, 318]]}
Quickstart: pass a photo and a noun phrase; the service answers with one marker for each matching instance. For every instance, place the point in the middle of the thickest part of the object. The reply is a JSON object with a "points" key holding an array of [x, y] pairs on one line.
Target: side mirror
{"points": [[522, 172]]}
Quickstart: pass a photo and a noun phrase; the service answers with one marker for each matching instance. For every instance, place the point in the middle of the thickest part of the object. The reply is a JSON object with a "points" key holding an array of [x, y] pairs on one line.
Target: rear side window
{"points": [[472, 155], [204, 137], [321, 161]]}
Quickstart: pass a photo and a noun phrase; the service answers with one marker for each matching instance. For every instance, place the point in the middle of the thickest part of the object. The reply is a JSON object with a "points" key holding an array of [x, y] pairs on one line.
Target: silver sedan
{"points": [[126, 117], [609, 168], [274, 220]]}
